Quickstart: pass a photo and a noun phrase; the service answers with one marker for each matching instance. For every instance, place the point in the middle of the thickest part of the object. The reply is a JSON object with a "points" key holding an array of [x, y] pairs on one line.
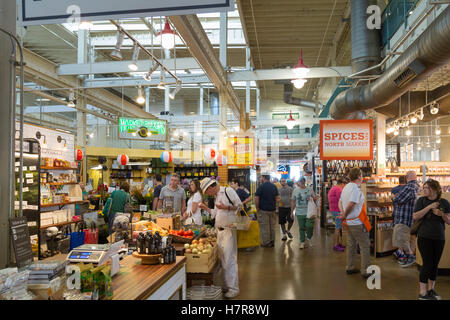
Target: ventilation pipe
{"points": [[429, 52], [289, 99]]}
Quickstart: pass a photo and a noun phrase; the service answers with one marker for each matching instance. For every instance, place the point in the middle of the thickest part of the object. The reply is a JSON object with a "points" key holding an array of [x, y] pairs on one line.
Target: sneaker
{"points": [[231, 294], [402, 260], [427, 297], [407, 262], [284, 238], [352, 271], [433, 293], [338, 248], [341, 245], [399, 254], [309, 241], [290, 235], [302, 245]]}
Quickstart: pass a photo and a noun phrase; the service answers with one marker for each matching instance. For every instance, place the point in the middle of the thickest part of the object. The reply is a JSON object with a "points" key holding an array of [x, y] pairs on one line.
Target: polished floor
{"points": [[287, 272]]}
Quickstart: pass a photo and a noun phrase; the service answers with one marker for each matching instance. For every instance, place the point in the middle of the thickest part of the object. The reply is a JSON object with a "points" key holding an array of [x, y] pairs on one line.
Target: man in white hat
{"points": [[225, 212]]}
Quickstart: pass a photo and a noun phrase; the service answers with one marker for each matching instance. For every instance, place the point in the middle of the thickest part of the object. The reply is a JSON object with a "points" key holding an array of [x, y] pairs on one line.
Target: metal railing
{"points": [[394, 15]]}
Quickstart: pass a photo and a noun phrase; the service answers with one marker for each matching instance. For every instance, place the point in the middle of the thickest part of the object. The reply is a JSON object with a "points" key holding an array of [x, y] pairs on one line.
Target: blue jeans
{"points": [[337, 220]]}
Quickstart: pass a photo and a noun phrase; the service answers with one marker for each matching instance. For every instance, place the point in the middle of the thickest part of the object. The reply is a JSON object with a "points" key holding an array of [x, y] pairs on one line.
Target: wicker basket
{"points": [[178, 239]]}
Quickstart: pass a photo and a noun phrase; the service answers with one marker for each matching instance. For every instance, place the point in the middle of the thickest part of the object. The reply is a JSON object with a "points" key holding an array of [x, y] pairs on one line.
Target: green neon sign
{"points": [[156, 127]]}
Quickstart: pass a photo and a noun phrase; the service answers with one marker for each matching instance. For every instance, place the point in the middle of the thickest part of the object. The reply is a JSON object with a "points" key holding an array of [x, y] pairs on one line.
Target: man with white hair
{"points": [[403, 218]]}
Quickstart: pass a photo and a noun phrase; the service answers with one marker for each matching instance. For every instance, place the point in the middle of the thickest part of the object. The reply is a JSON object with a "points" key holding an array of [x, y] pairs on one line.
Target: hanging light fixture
{"points": [[162, 82], [290, 123], [299, 83], [175, 91], [438, 140], [148, 75], [71, 104], [287, 141], [396, 133], [434, 108], [438, 131], [420, 114], [167, 36], [115, 54], [413, 119], [301, 69], [133, 65], [408, 132], [140, 98]]}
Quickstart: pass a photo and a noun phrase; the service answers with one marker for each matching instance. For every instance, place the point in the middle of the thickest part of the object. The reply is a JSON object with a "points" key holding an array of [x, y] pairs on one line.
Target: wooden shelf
{"points": [[60, 224], [58, 168], [60, 183], [63, 203]]}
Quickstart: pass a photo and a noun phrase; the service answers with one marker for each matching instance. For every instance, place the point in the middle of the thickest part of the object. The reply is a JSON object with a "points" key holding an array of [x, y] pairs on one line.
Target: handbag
{"points": [[91, 235], [243, 222], [251, 237], [312, 210], [77, 237]]}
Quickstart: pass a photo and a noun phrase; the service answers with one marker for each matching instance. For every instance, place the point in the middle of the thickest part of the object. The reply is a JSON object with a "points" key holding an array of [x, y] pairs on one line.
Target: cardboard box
{"points": [[201, 263], [169, 222]]}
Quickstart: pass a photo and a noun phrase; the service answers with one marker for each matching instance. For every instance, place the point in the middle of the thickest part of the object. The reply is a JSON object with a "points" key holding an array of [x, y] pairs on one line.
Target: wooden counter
{"points": [[139, 282]]}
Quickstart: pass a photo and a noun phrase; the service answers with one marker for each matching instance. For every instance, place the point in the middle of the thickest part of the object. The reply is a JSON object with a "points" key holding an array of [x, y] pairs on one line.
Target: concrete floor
{"points": [[286, 272]]}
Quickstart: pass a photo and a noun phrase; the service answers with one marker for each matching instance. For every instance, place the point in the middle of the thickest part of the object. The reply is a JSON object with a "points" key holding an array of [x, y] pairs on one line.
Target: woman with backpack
{"points": [[431, 213]]}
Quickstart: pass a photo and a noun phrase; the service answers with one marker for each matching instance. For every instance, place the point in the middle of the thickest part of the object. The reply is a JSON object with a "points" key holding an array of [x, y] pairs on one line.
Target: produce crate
{"points": [[201, 263], [169, 222], [179, 239]]}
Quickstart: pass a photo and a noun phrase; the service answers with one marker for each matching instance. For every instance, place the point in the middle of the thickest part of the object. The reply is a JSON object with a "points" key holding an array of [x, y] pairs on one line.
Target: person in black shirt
{"points": [[266, 199], [434, 212], [157, 190], [245, 197]]}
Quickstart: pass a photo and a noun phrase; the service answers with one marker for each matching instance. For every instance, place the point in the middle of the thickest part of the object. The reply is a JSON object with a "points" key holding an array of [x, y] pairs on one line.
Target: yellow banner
{"points": [[240, 151]]}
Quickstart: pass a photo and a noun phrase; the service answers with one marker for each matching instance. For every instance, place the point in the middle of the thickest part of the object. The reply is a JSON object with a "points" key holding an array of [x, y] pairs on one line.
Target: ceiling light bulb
{"points": [[434, 109], [287, 142], [115, 54], [396, 132], [71, 104], [438, 131], [390, 130], [85, 25], [413, 119], [140, 98], [408, 132], [420, 114], [438, 140], [301, 69], [167, 36], [133, 65], [148, 75], [299, 83], [419, 148], [162, 84]]}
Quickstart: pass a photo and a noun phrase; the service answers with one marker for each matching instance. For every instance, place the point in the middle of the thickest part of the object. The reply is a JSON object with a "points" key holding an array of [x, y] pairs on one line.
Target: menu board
{"points": [[21, 241]]}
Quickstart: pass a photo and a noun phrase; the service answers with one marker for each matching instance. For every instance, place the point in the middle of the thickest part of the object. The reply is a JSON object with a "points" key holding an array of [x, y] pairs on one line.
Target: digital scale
{"points": [[88, 253]]}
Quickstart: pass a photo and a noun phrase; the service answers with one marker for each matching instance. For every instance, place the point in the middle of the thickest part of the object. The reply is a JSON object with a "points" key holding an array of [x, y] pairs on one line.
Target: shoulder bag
{"points": [[417, 223]]}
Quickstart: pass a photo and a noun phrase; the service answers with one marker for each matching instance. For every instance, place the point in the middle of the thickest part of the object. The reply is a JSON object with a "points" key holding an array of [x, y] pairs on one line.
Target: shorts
{"points": [[337, 221], [284, 215], [401, 236]]}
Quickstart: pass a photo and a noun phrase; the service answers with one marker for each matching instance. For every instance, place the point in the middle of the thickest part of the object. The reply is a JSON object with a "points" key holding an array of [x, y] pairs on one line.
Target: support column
{"points": [[166, 99], [200, 112], [381, 144], [7, 128], [223, 39], [81, 137], [147, 99], [247, 85], [258, 103]]}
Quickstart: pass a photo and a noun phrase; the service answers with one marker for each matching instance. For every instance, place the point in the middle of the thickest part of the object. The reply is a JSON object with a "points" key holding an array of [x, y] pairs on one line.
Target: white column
{"points": [[223, 38], [167, 99], [381, 143], [147, 99], [200, 112], [247, 85], [258, 103]]}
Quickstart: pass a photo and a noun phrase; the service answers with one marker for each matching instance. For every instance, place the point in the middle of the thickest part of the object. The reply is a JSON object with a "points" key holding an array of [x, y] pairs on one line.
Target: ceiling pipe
{"points": [[289, 99], [430, 51]]}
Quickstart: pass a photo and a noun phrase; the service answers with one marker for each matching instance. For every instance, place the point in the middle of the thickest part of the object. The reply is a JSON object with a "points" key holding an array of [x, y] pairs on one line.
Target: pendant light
{"points": [[148, 75], [140, 98], [162, 82], [287, 141], [175, 91], [167, 36], [299, 83], [133, 65], [290, 123], [434, 108], [115, 54], [301, 69], [71, 104], [408, 132]]}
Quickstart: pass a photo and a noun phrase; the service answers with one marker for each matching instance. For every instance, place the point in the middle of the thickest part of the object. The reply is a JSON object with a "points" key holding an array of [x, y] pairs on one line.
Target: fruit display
{"points": [[189, 234], [201, 246]]}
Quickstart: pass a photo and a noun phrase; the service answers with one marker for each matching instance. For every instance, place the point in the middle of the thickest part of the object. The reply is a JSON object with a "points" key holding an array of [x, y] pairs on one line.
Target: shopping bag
{"points": [[76, 238], [249, 238], [312, 209], [91, 235], [243, 222]]}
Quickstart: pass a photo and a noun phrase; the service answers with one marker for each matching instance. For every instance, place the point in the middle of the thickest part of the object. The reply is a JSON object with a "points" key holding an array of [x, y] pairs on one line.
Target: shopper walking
{"points": [[266, 198], [157, 190], [434, 213], [193, 213], [116, 203], [355, 216], [403, 218], [244, 196], [399, 254], [284, 209], [225, 211], [299, 204], [173, 196], [334, 195]]}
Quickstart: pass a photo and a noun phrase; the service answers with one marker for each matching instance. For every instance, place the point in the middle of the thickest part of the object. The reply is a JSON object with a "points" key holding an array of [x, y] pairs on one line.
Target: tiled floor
{"points": [[286, 272]]}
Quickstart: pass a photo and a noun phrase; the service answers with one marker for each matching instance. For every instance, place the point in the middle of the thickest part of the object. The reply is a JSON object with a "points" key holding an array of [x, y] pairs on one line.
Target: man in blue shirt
{"points": [[403, 218], [266, 199], [399, 254]]}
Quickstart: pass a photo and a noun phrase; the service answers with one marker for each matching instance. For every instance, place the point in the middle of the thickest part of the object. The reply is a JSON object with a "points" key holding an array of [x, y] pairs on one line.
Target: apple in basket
{"points": [[186, 246]]}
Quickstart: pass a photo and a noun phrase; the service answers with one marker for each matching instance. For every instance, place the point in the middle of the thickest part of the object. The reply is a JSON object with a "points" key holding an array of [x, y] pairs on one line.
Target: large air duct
{"points": [[429, 52], [289, 99], [366, 42]]}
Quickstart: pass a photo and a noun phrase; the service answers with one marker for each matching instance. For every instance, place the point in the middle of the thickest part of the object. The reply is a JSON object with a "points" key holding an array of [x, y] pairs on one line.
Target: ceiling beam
{"points": [[193, 34], [134, 82], [282, 74]]}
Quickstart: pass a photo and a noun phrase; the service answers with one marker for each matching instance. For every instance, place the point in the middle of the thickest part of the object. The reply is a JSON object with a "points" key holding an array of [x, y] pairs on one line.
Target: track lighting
{"points": [[71, 104], [434, 108], [133, 65], [396, 133], [175, 91], [162, 82], [408, 132], [413, 119], [438, 131], [115, 54], [420, 114], [148, 75], [140, 98]]}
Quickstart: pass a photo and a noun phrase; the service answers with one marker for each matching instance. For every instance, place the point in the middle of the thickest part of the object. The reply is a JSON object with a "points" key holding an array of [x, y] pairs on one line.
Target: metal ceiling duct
{"points": [[366, 43], [289, 99], [430, 51]]}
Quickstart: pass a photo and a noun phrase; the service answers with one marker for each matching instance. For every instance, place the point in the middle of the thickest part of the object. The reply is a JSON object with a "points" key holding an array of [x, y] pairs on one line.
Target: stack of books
{"points": [[43, 272]]}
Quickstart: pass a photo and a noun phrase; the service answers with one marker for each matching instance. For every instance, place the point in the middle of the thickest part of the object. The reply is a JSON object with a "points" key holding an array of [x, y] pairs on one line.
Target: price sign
{"points": [[21, 241]]}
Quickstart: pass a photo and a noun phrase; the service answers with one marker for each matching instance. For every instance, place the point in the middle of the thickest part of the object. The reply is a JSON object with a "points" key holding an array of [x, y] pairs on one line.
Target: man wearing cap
{"points": [[225, 212]]}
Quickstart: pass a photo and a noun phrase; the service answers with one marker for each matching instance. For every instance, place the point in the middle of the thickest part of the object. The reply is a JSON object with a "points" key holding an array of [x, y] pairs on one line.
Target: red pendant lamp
{"points": [[167, 36], [290, 123]]}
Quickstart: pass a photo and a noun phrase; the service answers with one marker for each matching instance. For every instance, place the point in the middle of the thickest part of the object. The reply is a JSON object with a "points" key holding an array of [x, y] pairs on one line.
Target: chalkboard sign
{"points": [[21, 241]]}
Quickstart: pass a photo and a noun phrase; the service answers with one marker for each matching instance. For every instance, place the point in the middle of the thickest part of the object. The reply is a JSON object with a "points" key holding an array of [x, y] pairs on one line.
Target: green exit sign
{"points": [[142, 129]]}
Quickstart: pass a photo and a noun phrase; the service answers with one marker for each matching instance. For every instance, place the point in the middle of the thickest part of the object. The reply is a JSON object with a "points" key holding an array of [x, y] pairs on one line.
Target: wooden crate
{"points": [[173, 222], [201, 263]]}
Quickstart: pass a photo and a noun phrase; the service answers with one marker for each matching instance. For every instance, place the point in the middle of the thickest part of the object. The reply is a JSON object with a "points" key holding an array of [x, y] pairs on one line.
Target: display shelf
{"points": [[59, 183], [58, 168], [63, 203], [420, 173], [59, 224]]}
